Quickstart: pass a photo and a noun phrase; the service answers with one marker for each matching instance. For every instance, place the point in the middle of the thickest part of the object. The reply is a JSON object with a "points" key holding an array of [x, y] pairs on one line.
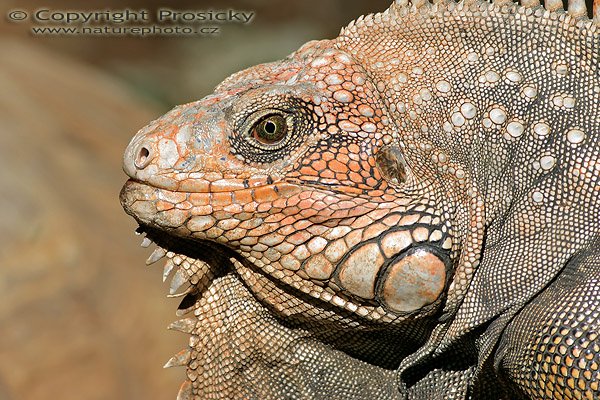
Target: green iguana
{"points": [[407, 211]]}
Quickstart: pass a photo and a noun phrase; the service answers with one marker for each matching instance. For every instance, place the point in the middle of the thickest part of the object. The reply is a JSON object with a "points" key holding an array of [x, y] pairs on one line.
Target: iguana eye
{"points": [[270, 129], [273, 128]]}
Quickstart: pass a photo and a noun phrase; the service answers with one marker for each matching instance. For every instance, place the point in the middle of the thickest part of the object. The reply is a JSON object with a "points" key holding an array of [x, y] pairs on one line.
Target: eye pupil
{"points": [[270, 127]]}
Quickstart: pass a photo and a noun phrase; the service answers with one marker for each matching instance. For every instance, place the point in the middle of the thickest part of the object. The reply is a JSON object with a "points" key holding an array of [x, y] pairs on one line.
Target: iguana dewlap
{"points": [[409, 210]]}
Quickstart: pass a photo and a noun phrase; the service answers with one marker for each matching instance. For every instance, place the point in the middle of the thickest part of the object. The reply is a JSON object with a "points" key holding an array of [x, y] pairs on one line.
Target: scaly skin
{"points": [[409, 210]]}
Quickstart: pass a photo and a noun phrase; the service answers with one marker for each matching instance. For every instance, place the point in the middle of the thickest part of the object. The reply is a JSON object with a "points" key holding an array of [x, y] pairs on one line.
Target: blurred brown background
{"points": [[80, 318]]}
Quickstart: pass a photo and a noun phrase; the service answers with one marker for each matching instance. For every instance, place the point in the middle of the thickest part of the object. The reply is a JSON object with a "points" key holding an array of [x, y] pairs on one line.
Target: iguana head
{"points": [[297, 169]]}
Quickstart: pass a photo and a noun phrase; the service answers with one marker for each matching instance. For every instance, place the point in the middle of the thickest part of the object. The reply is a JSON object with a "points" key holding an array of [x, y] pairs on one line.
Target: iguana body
{"points": [[409, 210]]}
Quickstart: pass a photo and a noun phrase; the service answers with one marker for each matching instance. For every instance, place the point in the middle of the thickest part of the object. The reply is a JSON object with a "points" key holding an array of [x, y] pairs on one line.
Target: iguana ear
{"points": [[391, 164]]}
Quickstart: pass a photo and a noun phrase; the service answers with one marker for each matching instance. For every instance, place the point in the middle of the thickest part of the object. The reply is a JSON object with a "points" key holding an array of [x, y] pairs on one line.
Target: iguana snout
{"points": [[187, 150]]}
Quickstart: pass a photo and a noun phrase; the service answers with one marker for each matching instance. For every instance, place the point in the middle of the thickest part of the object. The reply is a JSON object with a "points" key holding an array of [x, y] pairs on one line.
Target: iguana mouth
{"points": [[190, 263]]}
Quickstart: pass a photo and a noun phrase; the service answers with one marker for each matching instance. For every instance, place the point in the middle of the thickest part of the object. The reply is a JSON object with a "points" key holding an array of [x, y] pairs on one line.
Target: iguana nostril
{"points": [[142, 158]]}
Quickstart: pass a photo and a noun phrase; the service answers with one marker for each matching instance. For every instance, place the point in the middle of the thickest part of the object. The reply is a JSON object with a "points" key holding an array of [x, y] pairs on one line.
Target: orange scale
{"points": [[292, 201], [337, 166], [328, 156], [173, 197], [360, 210], [353, 190], [309, 212], [318, 165], [326, 212], [319, 268], [356, 120], [307, 203], [242, 196], [389, 196], [308, 171], [377, 175], [226, 185], [302, 224], [162, 205], [355, 177], [349, 86], [362, 221], [263, 207], [235, 234], [337, 66], [286, 230], [262, 230], [290, 210], [280, 203], [275, 211], [287, 190], [339, 214], [257, 181], [317, 195], [326, 174], [233, 208], [298, 238], [343, 158], [358, 78], [264, 194], [373, 230], [221, 199], [341, 177], [330, 119], [376, 193], [355, 112], [194, 185], [355, 156], [353, 148], [372, 182], [329, 181], [212, 176], [379, 212], [333, 129], [304, 195], [184, 205], [344, 205], [317, 230], [289, 220], [250, 207], [274, 218], [330, 199], [202, 210]]}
